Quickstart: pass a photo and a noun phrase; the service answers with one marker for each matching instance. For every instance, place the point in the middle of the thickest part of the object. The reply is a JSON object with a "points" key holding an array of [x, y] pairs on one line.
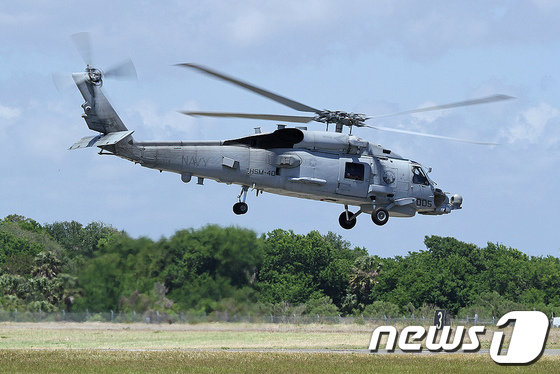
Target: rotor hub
{"points": [[341, 118], [95, 75]]}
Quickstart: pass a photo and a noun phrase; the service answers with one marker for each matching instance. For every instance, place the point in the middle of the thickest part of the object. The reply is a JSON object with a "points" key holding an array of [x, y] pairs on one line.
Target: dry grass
{"points": [[98, 335], [206, 336]]}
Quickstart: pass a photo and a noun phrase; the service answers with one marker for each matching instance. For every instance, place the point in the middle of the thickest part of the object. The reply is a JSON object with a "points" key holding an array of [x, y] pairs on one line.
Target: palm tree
{"points": [[363, 277], [47, 265]]}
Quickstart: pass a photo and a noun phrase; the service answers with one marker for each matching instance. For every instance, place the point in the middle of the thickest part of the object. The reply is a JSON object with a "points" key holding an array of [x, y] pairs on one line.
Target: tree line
{"points": [[72, 267]]}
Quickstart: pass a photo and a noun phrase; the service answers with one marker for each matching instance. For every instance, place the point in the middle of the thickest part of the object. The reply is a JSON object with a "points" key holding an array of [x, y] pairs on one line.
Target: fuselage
{"points": [[323, 166]]}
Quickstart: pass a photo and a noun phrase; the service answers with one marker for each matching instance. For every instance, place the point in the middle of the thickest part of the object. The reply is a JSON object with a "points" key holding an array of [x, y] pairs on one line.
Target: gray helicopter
{"points": [[326, 165]]}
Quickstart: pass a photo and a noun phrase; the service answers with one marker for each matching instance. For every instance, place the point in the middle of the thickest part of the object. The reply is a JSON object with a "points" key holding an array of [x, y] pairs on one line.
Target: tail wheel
{"points": [[345, 223], [240, 208], [380, 216]]}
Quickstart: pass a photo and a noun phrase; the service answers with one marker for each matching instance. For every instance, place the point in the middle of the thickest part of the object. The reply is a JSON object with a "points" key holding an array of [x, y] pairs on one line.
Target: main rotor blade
{"points": [[268, 117], [124, 70], [483, 100], [83, 45], [279, 99], [429, 135]]}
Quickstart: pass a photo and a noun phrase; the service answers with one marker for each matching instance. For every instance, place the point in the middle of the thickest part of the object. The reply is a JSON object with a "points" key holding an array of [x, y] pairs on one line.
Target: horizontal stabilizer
{"points": [[101, 139]]}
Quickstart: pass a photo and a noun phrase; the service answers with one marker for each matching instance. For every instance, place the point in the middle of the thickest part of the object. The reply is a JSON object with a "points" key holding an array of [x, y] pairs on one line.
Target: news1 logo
{"points": [[525, 346]]}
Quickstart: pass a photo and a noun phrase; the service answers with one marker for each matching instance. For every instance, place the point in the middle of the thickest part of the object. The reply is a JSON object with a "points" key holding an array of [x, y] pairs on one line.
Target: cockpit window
{"points": [[418, 176], [354, 171]]}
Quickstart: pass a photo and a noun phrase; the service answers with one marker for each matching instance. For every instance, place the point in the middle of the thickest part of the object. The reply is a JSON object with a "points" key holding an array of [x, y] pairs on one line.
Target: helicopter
{"points": [[329, 166]]}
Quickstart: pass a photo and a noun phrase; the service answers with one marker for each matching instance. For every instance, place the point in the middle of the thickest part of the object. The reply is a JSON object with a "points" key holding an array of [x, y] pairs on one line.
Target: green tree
{"points": [[209, 264], [77, 239], [295, 266]]}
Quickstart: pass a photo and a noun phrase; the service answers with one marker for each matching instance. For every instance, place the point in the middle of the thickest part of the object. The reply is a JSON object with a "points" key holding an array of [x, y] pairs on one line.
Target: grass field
{"points": [[104, 347], [95, 361]]}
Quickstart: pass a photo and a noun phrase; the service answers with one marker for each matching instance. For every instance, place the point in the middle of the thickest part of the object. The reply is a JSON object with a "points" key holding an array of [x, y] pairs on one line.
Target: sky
{"points": [[371, 57]]}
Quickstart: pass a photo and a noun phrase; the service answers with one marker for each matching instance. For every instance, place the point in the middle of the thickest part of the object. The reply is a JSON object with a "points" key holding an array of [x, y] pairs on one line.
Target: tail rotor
{"points": [[82, 42]]}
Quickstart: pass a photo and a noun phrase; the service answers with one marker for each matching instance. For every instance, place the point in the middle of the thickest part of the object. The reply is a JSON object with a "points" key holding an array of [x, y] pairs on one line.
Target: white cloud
{"points": [[8, 113], [254, 22], [160, 125], [531, 124], [418, 30]]}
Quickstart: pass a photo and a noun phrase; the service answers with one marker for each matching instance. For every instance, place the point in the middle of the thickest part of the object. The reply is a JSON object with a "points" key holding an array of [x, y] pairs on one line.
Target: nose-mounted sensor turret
{"points": [[456, 200]]}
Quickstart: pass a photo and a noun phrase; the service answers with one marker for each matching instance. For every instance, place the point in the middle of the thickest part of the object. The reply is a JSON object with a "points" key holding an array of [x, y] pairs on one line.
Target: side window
{"points": [[418, 176], [354, 171]]}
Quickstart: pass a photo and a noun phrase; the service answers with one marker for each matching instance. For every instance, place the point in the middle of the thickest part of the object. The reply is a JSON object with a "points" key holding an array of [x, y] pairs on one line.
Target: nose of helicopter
{"points": [[445, 204]]}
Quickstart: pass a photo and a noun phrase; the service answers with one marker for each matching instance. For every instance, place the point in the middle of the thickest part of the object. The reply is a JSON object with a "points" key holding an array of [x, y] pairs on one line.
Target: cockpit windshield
{"points": [[418, 176]]}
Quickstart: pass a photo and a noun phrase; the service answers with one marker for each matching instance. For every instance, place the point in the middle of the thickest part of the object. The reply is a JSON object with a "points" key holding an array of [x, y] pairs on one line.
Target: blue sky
{"points": [[370, 57]]}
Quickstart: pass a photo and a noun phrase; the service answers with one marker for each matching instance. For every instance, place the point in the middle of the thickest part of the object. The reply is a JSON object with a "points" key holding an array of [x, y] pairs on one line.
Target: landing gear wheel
{"points": [[240, 208], [344, 223], [380, 216]]}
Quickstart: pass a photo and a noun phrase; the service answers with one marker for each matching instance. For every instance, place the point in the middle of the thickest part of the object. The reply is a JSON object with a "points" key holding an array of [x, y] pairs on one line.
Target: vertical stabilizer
{"points": [[98, 112]]}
